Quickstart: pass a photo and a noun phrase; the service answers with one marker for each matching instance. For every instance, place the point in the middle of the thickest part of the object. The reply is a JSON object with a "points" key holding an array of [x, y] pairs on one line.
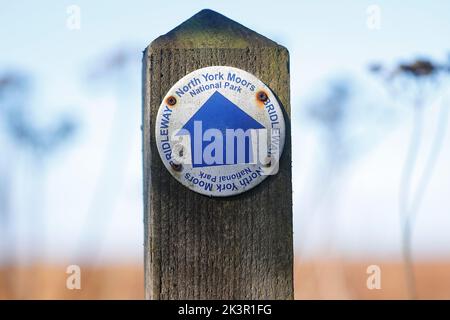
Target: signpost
{"points": [[217, 163]]}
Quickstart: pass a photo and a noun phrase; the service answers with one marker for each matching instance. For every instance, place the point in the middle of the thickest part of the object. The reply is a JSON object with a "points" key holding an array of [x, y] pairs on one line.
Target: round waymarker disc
{"points": [[220, 131]]}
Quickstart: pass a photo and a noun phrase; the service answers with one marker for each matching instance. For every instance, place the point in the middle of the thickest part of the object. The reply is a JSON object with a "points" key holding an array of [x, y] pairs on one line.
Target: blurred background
{"points": [[370, 100]]}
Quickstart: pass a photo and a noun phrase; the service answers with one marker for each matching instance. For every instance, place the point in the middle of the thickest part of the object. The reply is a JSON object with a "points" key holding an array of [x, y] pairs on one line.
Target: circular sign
{"points": [[220, 131]]}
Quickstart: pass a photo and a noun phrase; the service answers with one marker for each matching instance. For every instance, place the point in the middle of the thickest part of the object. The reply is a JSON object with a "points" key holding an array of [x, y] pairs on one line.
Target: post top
{"points": [[210, 29]]}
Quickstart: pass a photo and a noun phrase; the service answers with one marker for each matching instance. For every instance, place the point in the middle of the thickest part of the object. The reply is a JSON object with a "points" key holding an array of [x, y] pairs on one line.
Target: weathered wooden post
{"points": [[216, 230]]}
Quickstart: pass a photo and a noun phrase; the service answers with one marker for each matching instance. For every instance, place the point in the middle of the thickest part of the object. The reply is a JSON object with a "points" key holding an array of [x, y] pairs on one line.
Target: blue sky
{"points": [[325, 39]]}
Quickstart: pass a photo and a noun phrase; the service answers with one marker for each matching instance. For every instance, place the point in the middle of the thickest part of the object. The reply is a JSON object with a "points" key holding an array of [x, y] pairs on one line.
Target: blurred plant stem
{"points": [[25, 136], [408, 214], [404, 192], [115, 70]]}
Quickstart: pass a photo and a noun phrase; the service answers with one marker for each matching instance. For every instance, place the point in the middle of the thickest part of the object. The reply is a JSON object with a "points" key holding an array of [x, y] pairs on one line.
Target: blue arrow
{"points": [[221, 114]]}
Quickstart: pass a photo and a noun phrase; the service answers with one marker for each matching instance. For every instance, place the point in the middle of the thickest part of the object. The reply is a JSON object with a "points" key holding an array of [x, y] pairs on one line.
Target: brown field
{"points": [[313, 280]]}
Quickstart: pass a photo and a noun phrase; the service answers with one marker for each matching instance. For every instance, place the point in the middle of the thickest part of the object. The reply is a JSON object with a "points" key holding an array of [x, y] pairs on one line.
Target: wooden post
{"points": [[199, 247]]}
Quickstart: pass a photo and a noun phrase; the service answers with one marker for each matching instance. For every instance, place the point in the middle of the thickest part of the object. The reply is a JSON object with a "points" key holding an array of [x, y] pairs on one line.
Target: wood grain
{"points": [[197, 247]]}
